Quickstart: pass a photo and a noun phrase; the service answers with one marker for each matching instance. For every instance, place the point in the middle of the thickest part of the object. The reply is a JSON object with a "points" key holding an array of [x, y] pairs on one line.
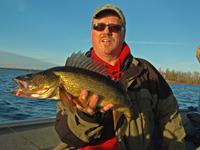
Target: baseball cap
{"points": [[110, 7]]}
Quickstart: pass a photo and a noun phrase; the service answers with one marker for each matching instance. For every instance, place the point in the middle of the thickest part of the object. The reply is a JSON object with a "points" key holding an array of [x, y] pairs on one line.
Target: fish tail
{"points": [[122, 130], [124, 127]]}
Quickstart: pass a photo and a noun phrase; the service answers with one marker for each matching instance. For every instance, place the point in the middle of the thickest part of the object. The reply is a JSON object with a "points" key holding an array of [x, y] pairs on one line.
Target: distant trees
{"points": [[181, 77]]}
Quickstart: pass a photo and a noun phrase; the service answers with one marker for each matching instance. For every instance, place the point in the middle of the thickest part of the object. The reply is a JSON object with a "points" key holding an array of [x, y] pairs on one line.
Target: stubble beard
{"points": [[107, 49]]}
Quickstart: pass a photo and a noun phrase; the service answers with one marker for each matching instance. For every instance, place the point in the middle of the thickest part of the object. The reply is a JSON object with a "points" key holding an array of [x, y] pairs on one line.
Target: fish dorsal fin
{"points": [[79, 60]]}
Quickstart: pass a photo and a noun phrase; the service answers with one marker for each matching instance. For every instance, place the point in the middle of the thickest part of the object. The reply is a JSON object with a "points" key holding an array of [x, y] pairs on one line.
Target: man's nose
{"points": [[106, 30]]}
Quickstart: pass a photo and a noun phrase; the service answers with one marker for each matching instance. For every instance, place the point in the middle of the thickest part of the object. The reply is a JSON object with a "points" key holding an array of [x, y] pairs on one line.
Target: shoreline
{"points": [[18, 69], [170, 81], [36, 70]]}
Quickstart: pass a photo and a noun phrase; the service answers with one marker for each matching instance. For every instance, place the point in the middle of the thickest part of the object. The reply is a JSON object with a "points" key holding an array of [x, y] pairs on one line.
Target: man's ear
{"points": [[124, 34], [91, 34]]}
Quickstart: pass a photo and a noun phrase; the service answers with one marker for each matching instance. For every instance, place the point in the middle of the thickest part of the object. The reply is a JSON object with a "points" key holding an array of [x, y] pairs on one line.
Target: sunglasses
{"points": [[112, 27]]}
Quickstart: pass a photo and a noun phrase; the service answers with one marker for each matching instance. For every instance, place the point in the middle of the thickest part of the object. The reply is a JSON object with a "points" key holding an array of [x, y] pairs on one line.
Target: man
{"points": [[152, 99]]}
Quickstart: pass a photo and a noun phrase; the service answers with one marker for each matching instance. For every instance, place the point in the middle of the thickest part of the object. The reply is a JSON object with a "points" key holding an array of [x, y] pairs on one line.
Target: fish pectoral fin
{"points": [[116, 116], [64, 99], [66, 102]]}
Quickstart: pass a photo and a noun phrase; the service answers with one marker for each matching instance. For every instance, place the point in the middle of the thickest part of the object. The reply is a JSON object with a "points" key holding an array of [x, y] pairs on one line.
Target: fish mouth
{"points": [[22, 85]]}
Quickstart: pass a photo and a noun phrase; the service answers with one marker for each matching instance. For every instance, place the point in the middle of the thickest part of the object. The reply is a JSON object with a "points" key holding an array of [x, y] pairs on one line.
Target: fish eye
{"points": [[28, 77]]}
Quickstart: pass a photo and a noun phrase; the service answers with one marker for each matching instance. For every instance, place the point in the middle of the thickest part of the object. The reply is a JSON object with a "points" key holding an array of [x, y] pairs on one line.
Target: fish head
{"points": [[36, 85]]}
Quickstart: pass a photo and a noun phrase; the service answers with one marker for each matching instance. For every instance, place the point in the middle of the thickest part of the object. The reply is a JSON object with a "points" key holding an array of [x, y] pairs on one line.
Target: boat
{"points": [[40, 134], [37, 134]]}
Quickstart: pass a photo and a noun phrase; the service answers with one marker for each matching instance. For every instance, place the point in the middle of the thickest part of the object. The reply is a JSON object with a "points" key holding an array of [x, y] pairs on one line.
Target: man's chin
{"points": [[107, 52]]}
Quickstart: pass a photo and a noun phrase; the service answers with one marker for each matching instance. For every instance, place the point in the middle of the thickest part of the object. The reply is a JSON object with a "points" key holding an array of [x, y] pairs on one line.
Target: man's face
{"points": [[107, 42]]}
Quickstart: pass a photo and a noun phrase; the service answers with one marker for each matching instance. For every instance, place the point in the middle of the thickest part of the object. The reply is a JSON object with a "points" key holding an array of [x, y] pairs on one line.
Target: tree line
{"points": [[181, 77]]}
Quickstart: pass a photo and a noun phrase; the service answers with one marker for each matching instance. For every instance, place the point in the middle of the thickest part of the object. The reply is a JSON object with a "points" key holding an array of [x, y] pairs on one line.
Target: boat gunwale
{"points": [[27, 122], [43, 121]]}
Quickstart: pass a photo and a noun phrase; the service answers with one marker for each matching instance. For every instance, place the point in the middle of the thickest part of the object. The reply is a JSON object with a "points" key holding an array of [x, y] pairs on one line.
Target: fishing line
{"points": [[21, 135]]}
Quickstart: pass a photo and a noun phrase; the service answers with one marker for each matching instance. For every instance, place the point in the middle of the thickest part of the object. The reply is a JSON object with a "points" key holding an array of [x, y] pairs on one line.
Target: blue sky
{"points": [[39, 34]]}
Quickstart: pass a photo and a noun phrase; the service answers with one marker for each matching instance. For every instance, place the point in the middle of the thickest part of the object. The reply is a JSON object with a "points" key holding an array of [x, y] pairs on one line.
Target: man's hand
{"points": [[92, 105]]}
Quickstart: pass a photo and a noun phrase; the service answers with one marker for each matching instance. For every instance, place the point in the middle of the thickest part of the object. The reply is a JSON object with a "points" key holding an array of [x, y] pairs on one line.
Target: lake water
{"points": [[13, 108]]}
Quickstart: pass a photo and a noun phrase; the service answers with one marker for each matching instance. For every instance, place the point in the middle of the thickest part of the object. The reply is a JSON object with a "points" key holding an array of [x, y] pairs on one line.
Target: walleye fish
{"points": [[79, 73]]}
